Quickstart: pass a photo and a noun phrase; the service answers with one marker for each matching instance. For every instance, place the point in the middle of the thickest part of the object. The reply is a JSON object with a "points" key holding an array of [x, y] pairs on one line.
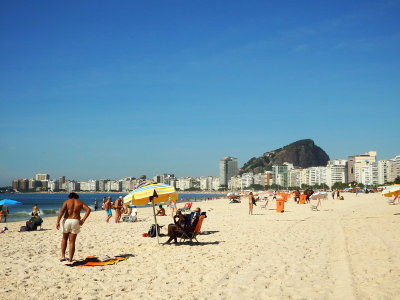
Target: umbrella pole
{"points": [[155, 220]]}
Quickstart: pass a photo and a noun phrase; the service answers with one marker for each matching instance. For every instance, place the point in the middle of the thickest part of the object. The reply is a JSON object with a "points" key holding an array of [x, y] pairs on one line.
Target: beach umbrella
{"points": [[8, 202], [153, 193], [390, 191]]}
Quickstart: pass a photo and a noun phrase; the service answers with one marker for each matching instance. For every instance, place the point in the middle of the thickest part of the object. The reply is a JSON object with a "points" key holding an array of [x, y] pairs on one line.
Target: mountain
{"points": [[303, 153]]}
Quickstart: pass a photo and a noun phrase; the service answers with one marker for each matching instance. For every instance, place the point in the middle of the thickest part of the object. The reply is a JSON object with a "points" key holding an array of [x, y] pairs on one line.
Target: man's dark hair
{"points": [[73, 196]]}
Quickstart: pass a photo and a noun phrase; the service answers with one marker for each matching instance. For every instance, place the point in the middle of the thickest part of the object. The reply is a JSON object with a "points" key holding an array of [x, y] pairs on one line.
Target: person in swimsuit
{"points": [[72, 222], [107, 207], [160, 211], [35, 210], [103, 203], [4, 213], [118, 206], [174, 210], [251, 199]]}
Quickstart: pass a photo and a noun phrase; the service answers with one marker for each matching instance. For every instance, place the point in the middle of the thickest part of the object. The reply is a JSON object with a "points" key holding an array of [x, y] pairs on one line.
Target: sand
{"points": [[347, 250]]}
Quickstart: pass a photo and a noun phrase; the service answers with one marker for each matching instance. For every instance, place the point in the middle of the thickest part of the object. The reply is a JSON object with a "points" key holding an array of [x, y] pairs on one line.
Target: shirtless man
{"points": [[72, 222], [118, 206], [107, 207]]}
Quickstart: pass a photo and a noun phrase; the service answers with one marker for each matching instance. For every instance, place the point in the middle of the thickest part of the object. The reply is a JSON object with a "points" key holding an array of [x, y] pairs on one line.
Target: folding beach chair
{"points": [[315, 207], [188, 206], [129, 218], [265, 205], [393, 201], [192, 235]]}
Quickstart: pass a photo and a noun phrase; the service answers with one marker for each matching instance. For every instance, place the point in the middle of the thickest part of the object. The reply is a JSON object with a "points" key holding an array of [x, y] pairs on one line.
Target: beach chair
{"points": [[265, 205], [393, 201], [192, 235], [315, 207], [129, 218], [188, 206]]}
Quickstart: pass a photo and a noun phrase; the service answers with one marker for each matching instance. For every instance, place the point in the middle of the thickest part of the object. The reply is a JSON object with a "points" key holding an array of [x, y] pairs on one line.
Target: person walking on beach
{"points": [[72, 222], [107, 207], [333, 195], [174, 210], [4, 213], [251, 201], [95, 205], [118, 206], [103, 204]]}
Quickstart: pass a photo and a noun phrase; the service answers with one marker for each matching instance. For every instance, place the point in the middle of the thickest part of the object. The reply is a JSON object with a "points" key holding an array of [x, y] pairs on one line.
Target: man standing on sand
{"points": [[71, 224], [118, 206], [107, 208]]}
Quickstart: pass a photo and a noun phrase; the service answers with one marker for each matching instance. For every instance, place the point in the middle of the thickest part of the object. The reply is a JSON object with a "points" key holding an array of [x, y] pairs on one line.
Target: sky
{"points": [[108, 89]]}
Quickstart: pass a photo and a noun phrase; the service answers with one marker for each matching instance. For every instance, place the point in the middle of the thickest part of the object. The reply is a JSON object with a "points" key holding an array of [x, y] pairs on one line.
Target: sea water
{"points": [[50, 204]]}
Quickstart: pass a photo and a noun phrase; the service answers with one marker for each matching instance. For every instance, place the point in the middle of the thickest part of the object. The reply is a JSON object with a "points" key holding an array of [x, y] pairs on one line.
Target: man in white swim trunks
{"points": [[71, 224]]}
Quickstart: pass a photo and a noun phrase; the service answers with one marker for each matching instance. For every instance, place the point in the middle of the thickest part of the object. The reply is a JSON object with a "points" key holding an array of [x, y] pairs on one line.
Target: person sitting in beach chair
{"points": [[185, 226], [34, 222], [132, 217], [179, 223], [194, 231]]}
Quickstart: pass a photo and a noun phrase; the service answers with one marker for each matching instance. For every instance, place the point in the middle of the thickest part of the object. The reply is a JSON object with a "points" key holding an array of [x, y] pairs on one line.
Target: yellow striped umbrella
{"points": [[390, 191], [154, 193]]}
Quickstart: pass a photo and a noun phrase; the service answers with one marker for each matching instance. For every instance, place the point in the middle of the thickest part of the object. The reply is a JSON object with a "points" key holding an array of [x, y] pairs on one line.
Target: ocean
{"points": [[50, 204]]}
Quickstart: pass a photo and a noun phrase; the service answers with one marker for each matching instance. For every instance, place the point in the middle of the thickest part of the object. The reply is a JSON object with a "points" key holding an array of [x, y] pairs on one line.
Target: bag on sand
{"points": [[152, 230]]}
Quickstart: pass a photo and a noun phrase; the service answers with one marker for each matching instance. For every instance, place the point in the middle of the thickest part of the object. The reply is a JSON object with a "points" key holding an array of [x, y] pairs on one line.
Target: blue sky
{"points": [[106, 89]]}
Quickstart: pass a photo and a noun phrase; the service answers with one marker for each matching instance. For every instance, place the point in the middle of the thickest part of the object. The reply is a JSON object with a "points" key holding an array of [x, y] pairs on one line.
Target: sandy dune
{"points": [[347, 250]]}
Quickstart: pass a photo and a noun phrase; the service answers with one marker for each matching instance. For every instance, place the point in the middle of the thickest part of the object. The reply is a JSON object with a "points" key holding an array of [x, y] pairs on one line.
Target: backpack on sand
{"points": [[152, 230]]}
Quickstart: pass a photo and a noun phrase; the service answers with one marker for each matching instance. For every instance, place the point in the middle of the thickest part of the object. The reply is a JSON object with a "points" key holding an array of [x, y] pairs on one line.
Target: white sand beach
{"points": [[347, 250]]}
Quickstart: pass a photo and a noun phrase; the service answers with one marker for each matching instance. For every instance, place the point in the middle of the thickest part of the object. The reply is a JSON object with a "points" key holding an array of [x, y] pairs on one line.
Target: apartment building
{"points": [[356, 162]]}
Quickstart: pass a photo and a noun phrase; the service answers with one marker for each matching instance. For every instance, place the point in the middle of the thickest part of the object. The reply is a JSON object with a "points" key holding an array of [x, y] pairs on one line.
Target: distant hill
{"points": [[303, 153]]}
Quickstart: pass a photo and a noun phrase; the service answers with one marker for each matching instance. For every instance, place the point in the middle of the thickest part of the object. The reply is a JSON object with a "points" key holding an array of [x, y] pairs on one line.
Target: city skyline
{"points": [[360, 169], [115, 90]]}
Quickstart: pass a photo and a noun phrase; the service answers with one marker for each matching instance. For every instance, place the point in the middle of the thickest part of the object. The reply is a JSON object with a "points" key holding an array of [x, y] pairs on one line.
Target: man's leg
{"points": [[72, 238], [64, 244]]}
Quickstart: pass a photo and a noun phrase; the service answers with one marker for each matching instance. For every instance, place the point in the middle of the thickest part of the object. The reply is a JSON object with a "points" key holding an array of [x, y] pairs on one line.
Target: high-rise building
{"points": [[294, 177], [355, 163], [336, 171], [23, 184], [42, 177], [280, 174], [397, 160], [228, 167]]}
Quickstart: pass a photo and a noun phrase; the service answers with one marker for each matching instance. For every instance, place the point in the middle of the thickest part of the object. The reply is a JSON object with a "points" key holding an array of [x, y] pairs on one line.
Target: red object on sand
{"points": [[145, 235]]}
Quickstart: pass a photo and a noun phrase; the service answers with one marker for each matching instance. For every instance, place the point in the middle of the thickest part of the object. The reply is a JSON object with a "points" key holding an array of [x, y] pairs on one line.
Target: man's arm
{"points": [[88, 210], [61, 213]]}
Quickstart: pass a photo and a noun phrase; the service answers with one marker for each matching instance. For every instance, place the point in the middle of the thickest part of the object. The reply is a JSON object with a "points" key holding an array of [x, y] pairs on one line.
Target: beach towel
{"points": [[93, 261]]}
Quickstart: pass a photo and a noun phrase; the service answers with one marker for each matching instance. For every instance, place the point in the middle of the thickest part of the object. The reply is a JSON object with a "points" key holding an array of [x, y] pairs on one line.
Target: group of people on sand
{"points": [[119, 208], [70, 221]]}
